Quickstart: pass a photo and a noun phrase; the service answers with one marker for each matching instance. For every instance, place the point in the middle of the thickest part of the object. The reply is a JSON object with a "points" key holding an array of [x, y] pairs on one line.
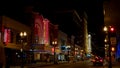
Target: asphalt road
{"points": [[82, 64]]}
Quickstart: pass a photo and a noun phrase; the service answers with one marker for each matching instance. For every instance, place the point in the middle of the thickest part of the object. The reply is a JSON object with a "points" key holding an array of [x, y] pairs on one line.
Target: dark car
{"points": [[98, 60]]}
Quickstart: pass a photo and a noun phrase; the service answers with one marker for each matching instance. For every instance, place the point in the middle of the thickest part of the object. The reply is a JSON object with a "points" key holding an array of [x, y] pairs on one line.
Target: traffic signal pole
{"points": [[111, 37], [110, 34], [110, 61]]}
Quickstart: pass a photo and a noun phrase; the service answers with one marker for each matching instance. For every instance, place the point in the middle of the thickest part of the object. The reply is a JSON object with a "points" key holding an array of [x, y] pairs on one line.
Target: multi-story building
{"points": [[87, 37], [62, 44], [82, 38], [15, 44], [37, 42], [37, 48], [44, 35]]}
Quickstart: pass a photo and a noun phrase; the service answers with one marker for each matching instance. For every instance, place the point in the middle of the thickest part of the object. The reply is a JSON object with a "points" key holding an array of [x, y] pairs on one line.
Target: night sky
{"points": [[52, 10], [19, 10]]}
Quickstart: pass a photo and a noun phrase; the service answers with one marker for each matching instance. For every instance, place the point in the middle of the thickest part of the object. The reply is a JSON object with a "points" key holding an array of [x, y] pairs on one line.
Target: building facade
{"points": [[62, 44], [44, 34], [13, 43]]}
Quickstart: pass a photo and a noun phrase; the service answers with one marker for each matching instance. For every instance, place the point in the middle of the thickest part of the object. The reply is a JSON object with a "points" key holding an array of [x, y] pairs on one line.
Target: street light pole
{"points": [[54, 43], [107, 30], [68, 48], [54, 56], [22, 34], [110, 61]]}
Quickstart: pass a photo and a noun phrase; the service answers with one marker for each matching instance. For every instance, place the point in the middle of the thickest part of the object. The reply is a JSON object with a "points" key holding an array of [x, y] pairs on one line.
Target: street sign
{"points": [[113, 40]]}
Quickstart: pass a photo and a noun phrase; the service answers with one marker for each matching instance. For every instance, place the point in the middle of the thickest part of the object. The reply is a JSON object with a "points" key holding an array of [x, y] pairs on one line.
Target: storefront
{"points": [[14, 56]]}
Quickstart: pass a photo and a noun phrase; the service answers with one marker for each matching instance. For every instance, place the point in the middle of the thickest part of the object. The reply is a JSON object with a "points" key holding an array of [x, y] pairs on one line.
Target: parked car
{"points": [[97, 60]]}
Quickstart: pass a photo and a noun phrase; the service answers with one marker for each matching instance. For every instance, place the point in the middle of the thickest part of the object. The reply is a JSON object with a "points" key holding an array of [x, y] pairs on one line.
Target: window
{"points": [[18, 41]]}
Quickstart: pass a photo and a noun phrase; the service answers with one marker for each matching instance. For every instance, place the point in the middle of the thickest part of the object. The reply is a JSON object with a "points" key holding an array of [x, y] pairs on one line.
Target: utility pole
{"points": [[109, 52], [111, 37], [111, 34]]}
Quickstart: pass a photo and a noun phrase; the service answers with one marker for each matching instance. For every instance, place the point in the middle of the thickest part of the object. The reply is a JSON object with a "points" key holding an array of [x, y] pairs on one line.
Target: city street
{"points": [[81, 64], [60, 34]]}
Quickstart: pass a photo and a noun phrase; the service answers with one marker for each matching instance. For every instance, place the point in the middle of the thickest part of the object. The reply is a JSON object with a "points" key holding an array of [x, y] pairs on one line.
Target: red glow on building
{"points": [[46, 31], [39, 28], [7, 35], [53, 50]]}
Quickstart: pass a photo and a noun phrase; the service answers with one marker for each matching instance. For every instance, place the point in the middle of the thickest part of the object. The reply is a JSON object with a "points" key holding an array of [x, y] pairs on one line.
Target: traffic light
{"points": [[112, 35], [112, 43], [112, 32], [111, 29], [112, 48]]}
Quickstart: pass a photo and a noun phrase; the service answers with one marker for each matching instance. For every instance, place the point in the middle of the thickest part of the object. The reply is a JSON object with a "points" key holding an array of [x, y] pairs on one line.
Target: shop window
{"points": [[63, 48]]}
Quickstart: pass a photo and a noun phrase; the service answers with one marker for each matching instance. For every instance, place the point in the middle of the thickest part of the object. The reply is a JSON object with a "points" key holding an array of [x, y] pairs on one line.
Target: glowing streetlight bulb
{"points": [[105, 40], [55, 42], [21, 34], [25, 34], [105, 28]]}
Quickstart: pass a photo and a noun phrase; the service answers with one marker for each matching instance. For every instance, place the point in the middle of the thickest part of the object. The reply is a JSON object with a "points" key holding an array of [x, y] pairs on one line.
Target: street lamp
{"points": [[109, 32], [68, 49], [54, 43], [22, 35], [105, 29], [106, 40]]}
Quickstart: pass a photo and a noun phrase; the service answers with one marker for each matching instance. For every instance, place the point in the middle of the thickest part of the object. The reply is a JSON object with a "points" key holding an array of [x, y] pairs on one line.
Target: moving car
{"points": [[98, 60]]}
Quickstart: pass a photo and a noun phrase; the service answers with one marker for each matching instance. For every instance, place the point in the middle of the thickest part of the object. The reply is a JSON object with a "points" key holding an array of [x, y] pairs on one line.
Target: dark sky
{"points": [[18, 10]]}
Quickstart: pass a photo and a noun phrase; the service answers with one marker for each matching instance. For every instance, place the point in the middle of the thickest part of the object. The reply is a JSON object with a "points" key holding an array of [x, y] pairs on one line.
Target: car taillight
{"points": [[93, 60], [101, 60]]}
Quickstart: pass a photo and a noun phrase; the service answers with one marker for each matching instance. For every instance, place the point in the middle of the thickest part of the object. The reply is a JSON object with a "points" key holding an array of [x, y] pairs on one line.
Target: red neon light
{"points": [[112, 29], [39, 28], [7, 35], [46, 31]]}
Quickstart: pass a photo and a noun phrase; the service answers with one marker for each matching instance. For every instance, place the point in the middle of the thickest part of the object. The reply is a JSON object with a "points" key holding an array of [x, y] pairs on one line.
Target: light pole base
{"points": [[55, 62]]}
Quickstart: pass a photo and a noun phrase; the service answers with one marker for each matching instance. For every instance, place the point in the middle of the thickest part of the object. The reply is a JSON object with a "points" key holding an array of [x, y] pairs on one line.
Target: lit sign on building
{"points": [[46, 31], [41, 29], [7, 35]]}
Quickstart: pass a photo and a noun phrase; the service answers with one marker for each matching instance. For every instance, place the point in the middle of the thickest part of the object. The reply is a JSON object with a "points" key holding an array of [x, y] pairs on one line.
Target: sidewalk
{"points": [[33, 65]]}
